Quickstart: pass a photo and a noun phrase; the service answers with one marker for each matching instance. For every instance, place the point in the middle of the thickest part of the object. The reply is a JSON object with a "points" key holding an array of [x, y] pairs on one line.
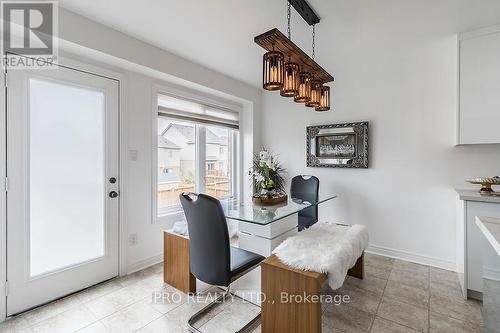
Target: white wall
{"points": [[395, 66], [141, 68]]}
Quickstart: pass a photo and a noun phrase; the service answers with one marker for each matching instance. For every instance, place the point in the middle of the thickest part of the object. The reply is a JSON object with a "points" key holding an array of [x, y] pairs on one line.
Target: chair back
{"points": [[306, 188], [209, 251]]}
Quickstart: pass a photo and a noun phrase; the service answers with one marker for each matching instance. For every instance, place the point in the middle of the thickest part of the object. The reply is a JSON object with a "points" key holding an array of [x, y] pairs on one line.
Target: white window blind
{"points": [[190, 110]]}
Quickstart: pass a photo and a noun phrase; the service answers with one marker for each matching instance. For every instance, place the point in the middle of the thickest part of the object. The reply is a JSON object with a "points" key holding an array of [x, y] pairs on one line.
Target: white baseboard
{"points": [[412, 257], [144, 263], [374, 249], [491, 273]]}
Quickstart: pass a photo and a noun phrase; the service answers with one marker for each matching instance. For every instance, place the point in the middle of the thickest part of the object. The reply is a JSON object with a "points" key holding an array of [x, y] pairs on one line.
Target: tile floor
{"points": [[395, 296]]}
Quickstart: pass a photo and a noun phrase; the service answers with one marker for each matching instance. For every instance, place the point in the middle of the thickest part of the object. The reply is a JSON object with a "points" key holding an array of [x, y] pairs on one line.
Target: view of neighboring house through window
{"points": [[218, 162], [194, 155], [176, 161]]}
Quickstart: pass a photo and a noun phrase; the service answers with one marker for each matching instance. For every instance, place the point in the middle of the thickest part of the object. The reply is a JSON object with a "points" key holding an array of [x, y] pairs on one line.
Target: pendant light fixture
{"points": [[324, 99], [315, 84], [314, 99], [304, 93], [299, 76], [273, 70], [290, 83]]}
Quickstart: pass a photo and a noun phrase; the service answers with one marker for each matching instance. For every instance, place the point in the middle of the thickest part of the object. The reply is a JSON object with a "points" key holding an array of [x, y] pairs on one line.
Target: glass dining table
{"points": [[261, 229], [249, 212]]}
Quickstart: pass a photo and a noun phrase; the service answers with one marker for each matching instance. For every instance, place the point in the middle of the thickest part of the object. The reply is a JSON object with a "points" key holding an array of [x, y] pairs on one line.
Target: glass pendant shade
{"points": [[324, 99], [315, 93], [273, 70], [290, 83], [304, 93]]}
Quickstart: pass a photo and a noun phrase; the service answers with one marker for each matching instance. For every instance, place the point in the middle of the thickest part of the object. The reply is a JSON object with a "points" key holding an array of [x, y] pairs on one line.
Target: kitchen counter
{"points": [[470, 239], [474, 195], [490, 227]]}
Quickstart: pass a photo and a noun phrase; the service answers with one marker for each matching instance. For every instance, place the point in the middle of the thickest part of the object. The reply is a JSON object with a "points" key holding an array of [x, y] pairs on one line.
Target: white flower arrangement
{"points": [[267, 175]]}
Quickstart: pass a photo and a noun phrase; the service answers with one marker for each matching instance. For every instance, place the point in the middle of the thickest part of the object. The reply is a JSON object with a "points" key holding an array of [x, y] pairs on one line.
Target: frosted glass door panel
{"points": [[66, 175]]}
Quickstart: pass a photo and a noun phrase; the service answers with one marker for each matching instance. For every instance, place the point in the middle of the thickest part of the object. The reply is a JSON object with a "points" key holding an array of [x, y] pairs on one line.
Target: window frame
{"points": [[175, 214]]}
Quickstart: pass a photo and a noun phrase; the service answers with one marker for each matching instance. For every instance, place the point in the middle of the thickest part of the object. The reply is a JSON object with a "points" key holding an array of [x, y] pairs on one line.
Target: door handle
{"points": [[113, 194]]}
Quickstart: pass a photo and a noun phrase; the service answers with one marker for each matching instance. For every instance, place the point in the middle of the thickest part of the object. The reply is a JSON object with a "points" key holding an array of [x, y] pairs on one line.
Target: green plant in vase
{"points": [[268, 175]]}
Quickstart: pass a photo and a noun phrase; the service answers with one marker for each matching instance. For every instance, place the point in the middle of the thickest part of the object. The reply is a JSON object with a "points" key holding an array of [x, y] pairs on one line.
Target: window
{"points": [[218, 175], [176, 161], [196, 153]]}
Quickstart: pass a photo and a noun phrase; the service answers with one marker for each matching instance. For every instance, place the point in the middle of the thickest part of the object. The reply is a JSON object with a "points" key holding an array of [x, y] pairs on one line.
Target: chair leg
{"points": [[210, 306], [249, 324], [204, 310]]}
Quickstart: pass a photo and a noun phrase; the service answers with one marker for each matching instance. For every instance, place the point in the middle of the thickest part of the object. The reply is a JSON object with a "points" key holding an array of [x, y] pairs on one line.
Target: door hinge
{"points": [[6, 288], [6, 184]]}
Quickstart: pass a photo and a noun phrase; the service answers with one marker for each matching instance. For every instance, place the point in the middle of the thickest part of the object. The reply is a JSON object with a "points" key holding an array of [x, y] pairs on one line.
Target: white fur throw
{"points": [[181, 228], [326, 248]]}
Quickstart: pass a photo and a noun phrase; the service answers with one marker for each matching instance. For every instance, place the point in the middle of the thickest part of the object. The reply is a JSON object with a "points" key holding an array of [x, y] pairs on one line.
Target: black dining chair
{"points": [[306, 188], [211, 258]]}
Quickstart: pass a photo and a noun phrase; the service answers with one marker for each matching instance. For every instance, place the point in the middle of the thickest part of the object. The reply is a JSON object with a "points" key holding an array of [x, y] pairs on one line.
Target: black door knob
{"points": [[113, 194]]}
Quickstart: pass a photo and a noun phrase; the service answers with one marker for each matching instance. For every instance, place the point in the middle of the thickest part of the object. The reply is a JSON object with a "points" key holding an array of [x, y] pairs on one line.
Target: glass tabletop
{"points": [[252, 213]]}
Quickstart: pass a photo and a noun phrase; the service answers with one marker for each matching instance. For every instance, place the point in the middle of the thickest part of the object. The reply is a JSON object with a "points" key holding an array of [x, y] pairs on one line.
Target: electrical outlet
{"points": [[132, 239]]}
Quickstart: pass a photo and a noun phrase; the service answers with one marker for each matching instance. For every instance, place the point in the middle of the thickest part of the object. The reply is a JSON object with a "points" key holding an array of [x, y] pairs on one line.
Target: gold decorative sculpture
{"points": [[486, 183]]}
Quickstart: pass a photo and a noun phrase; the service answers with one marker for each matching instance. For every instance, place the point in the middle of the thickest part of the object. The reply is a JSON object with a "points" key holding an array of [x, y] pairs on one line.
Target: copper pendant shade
{"points": [[314, 100], [304, 93], [273, 70], [290, 83], [324, 99]]}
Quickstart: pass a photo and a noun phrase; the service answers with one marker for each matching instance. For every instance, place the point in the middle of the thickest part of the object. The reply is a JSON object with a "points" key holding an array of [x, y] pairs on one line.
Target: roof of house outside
{"points": [[166, 143], [189, 133], [215, 139]]}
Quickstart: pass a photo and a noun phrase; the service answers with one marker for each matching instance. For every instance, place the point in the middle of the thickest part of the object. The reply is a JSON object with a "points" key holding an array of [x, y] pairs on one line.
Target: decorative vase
{"points": [[267, 193], [269, 198]]}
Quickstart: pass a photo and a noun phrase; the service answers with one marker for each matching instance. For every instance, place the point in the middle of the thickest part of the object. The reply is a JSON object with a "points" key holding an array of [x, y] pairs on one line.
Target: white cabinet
{"points": [[479, 105], [491, 271], [470, 239]]}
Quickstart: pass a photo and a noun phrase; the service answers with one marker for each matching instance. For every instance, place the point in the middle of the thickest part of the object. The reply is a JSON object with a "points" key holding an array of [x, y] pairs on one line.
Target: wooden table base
{"points": [[176, 270], [285, 289]]}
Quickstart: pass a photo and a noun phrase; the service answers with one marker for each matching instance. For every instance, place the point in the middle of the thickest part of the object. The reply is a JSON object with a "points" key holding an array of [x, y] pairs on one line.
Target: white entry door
{"points": [[62, 197]]}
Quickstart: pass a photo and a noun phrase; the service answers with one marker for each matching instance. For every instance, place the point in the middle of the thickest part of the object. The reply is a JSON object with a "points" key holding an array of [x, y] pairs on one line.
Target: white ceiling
{"points": [[219, 33]]}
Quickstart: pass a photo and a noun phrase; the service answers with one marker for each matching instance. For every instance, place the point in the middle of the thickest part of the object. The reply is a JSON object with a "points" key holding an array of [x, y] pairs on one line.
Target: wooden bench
{"points": [[293, 317], [176, 270]]}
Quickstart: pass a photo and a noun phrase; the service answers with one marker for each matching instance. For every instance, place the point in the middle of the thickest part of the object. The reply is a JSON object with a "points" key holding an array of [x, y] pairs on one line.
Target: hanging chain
{"points": [[288, 14], [313, 41]]}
